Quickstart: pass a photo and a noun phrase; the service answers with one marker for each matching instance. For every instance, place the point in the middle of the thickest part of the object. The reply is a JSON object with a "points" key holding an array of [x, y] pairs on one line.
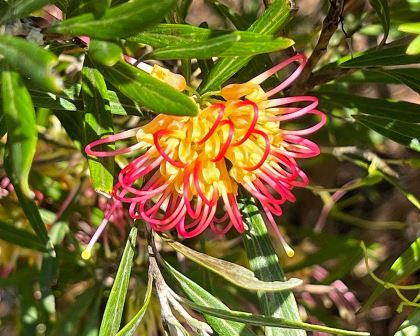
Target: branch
{"points": [[329, 26]]}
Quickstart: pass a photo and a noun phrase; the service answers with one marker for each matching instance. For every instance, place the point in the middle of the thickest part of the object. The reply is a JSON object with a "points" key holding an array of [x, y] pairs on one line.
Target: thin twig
{"points": [[329, 26]]}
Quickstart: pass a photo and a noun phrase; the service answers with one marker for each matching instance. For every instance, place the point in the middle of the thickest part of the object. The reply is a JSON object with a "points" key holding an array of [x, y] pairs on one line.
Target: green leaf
{"points": [[414, 47], [21, 126], [387, 108], [411, 326], [101, 6], [118, 22], [20, 237], [130, 328], [392, 54], [104, 52], [70, 100], [21, 8], [147, 90], [261, 320], [273, 19], [164, 35], [47, 279], [413, 28], [202, 297], [98, 123], [200, 50], [406, 76], [403, 132], [34, 63], [236, 274], [233, 44], [382, 10], [111, 319], [21, 143], [407, 263], [265, 264]]}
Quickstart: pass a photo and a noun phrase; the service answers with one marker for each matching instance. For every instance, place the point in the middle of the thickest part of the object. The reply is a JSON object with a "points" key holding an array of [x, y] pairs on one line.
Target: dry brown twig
{"points": [[329, 26]]}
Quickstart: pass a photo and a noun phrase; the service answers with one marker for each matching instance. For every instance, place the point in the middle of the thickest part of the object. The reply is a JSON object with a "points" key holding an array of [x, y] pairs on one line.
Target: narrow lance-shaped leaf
{"points": [[70, 100], [265, 264], [269, 23], [232, 323], [199, 43], [20, 237], [387, 108], [392, 54], [21, 143], [131, 327], [234, 273], [406, 76], [114, 307], [147, 90], [262, 320], [382, 10], [34, 63], [200, 296], [244, 45], [406, 133], [21, 8], [98, 123], [120, 21]]}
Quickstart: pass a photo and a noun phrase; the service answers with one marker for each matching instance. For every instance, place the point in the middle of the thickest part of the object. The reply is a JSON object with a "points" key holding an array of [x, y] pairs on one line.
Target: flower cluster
{"points": [[188, 175]]}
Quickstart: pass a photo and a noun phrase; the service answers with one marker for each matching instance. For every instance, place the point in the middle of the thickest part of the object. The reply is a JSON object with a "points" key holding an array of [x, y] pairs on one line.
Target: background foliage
{"points": [[58, 93]]}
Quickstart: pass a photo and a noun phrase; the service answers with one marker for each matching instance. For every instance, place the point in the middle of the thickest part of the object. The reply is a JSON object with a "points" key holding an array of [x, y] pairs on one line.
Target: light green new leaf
{"points": [[111, 319], [269, 23], [34, 63], [200, 296], [98, 123], [148, 91], [265, 264], [414, 47], [406, 264], [234, 273], [131, 327], [120, 21], [411, 326], [21, 144], [413, 28]]}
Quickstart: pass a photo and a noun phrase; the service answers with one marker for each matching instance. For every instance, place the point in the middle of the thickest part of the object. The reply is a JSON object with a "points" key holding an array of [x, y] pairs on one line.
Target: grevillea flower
{"points": [[188, 175]]}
